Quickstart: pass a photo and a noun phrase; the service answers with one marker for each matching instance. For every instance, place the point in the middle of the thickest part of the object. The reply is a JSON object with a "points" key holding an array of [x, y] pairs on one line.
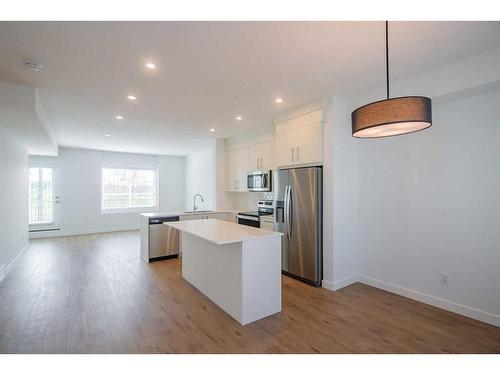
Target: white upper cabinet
{"points": [[246, 156], [299, 140], [261, 156], [236, 169]]}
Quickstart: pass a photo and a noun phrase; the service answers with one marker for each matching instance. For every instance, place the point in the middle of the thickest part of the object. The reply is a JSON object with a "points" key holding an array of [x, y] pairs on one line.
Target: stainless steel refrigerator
{"points": [[299, 216]]}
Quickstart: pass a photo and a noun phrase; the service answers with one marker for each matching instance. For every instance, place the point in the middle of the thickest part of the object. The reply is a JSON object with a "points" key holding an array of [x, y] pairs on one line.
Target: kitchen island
{"points": [[237, 267]]}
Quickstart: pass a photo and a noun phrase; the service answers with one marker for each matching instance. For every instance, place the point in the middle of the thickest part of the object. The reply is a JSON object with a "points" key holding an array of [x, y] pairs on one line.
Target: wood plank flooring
{"points": [[92, 294]]}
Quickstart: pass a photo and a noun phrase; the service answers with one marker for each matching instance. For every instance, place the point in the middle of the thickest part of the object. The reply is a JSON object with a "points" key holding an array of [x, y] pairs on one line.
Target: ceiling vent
{"points": [[33, 65]]}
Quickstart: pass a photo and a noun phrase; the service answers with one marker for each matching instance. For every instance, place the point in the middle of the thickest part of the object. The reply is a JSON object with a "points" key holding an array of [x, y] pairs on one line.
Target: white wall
{"points": [[200, 178], [171, 182], [429, 205], [13, 200], [340, 193], [81, 188]]}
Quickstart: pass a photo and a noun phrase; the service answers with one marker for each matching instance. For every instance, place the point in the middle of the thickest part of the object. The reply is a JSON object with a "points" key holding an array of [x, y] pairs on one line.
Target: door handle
{"points": [[287, 212], [290, 223]]}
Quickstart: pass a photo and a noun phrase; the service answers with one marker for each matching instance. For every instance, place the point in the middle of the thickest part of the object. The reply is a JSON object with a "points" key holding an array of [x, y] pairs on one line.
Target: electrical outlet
{"points": [[443, 279]]}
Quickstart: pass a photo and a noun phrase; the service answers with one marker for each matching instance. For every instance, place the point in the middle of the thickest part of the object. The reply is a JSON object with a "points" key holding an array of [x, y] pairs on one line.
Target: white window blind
{"points": [[127, 189]]}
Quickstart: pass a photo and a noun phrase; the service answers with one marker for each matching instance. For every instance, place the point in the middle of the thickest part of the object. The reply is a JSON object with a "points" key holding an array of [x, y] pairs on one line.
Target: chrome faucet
{"points": [[194, 201]]}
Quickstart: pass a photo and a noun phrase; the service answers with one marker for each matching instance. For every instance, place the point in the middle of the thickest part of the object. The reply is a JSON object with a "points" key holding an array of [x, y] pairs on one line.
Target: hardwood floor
{"points": [[92, 294]]}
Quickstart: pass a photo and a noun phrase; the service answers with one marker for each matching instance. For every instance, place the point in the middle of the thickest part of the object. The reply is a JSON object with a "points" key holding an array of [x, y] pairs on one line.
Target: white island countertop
{"points": [[221, 232]]}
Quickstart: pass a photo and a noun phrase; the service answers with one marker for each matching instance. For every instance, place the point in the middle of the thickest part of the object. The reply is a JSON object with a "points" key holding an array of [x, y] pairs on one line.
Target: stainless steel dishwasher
{"points": [[163, 240]]}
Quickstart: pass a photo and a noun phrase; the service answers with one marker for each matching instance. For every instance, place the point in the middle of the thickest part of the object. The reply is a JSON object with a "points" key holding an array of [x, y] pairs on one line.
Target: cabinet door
{"points": [[253, 159], [285, 142], [232, 217], [241, 168], [237, 169], [230, 178], [218, 216], [191, 217], [265, 153], [308, 141], [261, 156]]}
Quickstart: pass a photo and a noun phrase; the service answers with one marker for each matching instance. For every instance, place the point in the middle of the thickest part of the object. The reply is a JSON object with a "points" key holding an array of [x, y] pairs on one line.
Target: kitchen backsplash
{"points": [[246, 200]]}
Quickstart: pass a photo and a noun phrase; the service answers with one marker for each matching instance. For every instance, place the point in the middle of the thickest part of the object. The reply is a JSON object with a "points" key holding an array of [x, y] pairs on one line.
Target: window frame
{"points": [[129, 210]]}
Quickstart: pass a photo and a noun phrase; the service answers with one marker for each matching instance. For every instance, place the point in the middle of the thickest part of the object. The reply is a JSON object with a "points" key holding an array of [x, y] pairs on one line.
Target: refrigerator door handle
{"points": [[285, 214], [289, 221]]}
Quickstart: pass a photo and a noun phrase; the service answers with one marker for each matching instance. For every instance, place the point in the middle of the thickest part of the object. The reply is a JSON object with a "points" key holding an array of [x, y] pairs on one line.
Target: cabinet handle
{"points": [[257, 163], [261, 166], [293, 154], [298, 158]]}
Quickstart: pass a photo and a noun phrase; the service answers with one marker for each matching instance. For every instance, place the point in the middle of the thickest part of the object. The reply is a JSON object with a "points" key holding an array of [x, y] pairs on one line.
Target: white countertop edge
{"points": [[269, 234], [182, 213]]}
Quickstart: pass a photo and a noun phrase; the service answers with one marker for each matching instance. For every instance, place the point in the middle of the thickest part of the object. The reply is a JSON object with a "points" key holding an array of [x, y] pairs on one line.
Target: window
{"points": [[41, 196], [128, 190]]}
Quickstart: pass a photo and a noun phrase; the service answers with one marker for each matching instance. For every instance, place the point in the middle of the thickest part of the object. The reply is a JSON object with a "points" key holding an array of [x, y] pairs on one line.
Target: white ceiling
{"points": [[209, 72]]}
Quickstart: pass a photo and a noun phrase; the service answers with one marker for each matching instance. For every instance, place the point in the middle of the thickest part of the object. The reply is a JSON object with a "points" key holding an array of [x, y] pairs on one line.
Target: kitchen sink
{"points": [[197, 212]]}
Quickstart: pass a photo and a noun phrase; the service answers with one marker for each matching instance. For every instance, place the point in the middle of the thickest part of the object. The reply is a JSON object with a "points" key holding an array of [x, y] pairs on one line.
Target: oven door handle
{"points": [[248, 218]]}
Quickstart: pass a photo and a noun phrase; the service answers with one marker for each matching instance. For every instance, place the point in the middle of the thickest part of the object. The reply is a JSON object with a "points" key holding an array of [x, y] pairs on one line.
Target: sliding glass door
{"points": [[44, 197]]}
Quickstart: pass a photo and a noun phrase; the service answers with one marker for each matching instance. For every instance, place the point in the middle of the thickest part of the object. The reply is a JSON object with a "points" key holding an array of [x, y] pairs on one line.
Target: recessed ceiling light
{"points": [[131, 97], [279, 100], [239, 118], [212, 130], [107, 135], [150, 65], [119, 117]]}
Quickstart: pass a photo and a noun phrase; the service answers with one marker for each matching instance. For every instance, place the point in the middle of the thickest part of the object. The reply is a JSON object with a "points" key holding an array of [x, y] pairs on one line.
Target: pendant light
{"points": [[391, 117]]}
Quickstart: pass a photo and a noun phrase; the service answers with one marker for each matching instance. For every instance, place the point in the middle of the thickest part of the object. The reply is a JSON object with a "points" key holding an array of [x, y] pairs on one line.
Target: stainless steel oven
{"points": [[263, 218], [259, 181], [249, 219]]}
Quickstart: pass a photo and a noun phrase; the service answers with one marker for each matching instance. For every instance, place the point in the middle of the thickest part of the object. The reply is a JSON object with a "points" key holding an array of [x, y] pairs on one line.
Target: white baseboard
{"points": [[327, 284], [444, 304], [63, 233], [4, 271]]}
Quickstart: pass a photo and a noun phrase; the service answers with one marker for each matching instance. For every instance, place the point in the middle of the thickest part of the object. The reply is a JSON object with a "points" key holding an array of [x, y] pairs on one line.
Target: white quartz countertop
{"points": [[187, 213], [221, 232]]}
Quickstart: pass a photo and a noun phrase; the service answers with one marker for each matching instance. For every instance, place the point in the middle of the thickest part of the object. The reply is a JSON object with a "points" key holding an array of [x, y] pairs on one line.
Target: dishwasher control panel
{"points": [[161, 220]]}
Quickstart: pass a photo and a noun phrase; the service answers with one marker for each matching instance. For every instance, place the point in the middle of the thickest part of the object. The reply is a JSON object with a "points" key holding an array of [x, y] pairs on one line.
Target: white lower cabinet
{"points": [[191, 217], [209, 215], [219, 216]]}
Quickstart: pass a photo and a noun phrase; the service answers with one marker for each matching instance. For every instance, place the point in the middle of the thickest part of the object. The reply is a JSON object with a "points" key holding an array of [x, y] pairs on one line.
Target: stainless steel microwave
{"points": [[259, 181]]}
